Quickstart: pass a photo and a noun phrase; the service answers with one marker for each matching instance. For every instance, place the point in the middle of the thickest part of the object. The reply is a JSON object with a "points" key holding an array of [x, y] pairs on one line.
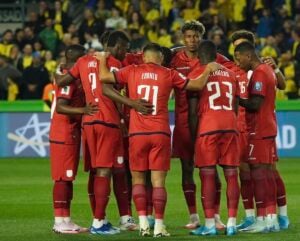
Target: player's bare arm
{"points": [[192, 116], [279, 75], [63, 107], [253, 103], [104, 74], [200, 81], [62, 79]]}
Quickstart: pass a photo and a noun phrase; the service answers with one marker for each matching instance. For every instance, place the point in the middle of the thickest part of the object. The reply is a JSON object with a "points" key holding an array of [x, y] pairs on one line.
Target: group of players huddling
{"points": [[224, 115]]}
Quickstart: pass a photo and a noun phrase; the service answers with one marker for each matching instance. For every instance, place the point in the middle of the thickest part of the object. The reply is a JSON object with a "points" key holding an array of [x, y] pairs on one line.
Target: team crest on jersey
{"points": [[65, 90], [258, 86]]}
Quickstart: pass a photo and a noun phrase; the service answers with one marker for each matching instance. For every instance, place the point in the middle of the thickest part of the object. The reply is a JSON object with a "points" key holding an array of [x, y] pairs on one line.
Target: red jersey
{"points": [[153, 83], [87, 69], [133, 58], [216, 107], [183, 64], [66, 129], [262, 124]]}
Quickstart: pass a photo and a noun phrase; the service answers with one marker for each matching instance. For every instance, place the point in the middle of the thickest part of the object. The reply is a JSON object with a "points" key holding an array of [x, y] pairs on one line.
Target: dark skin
{"points": [[63, 106]]}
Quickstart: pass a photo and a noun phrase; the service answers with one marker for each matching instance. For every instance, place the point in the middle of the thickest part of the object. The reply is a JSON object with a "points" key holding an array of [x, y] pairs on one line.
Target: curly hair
{"points": [[193, 25]]}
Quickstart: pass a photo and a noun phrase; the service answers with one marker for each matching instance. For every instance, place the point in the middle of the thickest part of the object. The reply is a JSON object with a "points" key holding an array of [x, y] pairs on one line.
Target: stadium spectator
{"points": [[49, 36], [26, 59], [102, 13], [34, 79], [9, 79], [7, 43], [115, 21]]}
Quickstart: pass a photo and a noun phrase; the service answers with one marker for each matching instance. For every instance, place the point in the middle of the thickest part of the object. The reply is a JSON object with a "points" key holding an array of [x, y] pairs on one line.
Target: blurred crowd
{"points": [[29, 55]]}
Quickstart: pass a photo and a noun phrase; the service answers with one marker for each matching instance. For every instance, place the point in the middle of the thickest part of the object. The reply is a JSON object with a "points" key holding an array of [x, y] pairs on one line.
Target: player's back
{"points": [[153, 83], [87, 69], [262, 123], [216, 108]]}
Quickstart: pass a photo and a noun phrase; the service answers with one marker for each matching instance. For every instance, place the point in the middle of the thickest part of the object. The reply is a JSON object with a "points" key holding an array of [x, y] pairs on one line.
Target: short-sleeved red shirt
{"points": [[153, 83], [87, 70], [263, 82], [217, 100], [66, 129]]}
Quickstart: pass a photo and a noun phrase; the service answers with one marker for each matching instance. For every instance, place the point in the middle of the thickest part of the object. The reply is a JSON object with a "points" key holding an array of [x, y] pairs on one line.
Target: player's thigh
{"points": [[206, 151], [182, 145], [89, 141], [160, 152], [243, 144], [139, 147], [64, 161], [229, 149], [260, 151], [107, 146]]}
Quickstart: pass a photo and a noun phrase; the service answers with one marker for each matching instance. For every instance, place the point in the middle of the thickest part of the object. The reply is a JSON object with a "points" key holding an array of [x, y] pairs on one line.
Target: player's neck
{"points": [[190, 54], [255, 63]]}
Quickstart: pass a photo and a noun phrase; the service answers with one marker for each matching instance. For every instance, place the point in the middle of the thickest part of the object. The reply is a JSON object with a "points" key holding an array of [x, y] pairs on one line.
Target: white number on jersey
{"points": [[93, 84], [147, 89], [215, 87], [53, 105], [242, 87]]}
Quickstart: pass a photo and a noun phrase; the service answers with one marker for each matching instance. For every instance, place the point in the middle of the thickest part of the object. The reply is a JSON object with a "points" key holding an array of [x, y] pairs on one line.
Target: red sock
{"points": [[281, 193], [159, 201], [258, 176], [247, 189], [233, 191], [121, 190], [218, 194], [102, 191], [271, 199], [66, 211], [139, 198], [208, 191], [129, 184], [189, 190], [60, 198], [91, 192], [149, 193]]}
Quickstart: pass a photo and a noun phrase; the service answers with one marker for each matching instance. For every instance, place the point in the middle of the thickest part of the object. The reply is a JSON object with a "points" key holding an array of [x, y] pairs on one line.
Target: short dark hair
{"points": [[245, 47], [193, 25], [152, 47], [115, 36], [74, 51], [207, 51], [104, 37], [243, 34], [167, 53]]}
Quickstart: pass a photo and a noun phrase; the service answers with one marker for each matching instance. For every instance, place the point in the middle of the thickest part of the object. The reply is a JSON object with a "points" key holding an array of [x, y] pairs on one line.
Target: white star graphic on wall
{"points": [[33, 134]]}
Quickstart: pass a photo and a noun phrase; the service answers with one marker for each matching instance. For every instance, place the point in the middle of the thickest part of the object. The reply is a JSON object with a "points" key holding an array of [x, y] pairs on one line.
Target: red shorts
{"points": [[64, 161], [104, 144], [86, 153], [243, 144], [149, 152], [275, 153], [182, 144], [261, 151], [219, 148]]}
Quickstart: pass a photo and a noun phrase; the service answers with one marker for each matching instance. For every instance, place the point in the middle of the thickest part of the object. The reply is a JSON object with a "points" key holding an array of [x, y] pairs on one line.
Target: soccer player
{"points": [[245, 175], [149, 144], [262, 126], [121, 184], [184, 61], [102, 129], [67, 108], [216, 138]]}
